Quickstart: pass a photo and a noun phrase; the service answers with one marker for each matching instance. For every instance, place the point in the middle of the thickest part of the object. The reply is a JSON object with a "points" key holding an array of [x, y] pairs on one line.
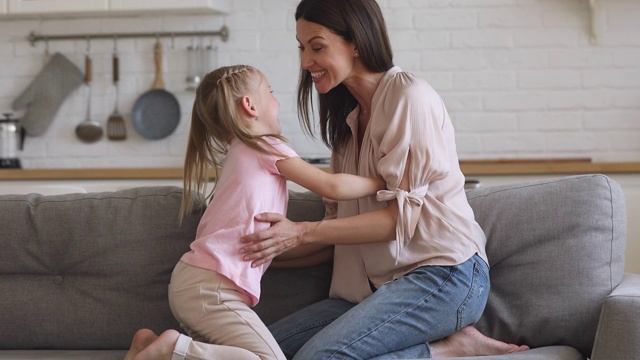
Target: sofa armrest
{"points": [[619, 326]]}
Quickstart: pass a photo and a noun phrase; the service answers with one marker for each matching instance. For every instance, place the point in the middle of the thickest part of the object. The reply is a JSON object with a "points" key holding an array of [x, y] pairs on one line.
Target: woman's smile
{"points": [[316, 76]]}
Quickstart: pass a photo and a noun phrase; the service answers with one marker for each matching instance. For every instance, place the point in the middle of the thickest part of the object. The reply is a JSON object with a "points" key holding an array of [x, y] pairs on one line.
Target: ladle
{"points": [[88, 131]]}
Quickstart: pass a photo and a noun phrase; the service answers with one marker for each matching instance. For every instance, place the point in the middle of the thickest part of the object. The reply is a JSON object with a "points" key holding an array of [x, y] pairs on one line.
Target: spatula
{"points": [[116, 128]]}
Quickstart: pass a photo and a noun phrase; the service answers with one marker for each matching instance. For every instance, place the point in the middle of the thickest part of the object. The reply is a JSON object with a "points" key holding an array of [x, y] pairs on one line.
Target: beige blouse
{"points": [[408, 118]]}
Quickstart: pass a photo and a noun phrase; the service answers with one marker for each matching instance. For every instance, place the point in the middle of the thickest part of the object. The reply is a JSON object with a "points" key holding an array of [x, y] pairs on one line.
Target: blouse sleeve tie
{"points": [[405, 200]]}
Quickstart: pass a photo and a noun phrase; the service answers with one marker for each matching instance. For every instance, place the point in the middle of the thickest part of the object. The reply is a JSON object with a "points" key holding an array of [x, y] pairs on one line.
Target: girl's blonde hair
{"points": [[214, 123]]}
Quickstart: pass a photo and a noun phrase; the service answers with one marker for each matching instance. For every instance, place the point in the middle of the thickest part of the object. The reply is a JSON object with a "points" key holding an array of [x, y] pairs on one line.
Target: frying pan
{"points": [[156, 113]]}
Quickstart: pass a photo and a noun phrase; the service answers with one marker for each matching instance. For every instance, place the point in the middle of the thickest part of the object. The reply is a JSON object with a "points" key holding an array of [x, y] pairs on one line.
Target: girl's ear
{"points": [[248, 106]]}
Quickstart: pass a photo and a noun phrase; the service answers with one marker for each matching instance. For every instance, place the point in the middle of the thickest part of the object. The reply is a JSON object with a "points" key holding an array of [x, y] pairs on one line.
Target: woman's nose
{"points": [[305, 60]]}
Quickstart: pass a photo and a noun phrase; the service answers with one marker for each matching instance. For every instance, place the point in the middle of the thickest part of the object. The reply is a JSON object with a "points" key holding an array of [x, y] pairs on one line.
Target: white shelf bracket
{"points": [[594, 8]]}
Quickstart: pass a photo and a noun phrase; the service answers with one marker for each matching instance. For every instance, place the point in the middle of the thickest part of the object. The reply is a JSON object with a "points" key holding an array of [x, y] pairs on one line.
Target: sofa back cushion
{"points": [[85, 271], [556, 249]]}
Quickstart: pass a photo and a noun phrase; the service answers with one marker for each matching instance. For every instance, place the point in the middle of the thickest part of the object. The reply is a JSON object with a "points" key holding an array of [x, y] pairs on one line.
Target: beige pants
{"points": [[212, 310]]}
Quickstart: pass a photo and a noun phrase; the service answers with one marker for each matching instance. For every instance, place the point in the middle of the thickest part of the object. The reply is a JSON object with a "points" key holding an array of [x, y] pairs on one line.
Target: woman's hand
{"points": [[265, 245]]}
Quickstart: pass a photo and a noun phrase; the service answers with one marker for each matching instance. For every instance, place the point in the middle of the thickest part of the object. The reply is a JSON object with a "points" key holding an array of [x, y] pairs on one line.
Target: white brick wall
{"points": [[520, 78]]}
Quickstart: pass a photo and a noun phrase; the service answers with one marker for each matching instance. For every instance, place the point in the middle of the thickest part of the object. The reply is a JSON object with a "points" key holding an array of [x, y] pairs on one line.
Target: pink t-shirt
{"points": [[249, 184]]}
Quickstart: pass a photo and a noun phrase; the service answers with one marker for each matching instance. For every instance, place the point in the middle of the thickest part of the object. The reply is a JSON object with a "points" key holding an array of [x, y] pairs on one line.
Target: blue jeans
{"points": [[397, 322]]}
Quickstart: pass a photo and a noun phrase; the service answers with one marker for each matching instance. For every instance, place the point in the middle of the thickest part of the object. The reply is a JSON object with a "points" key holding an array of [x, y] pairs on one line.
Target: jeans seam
{"points": [[481, 267], [471, 291], [478, 271]]}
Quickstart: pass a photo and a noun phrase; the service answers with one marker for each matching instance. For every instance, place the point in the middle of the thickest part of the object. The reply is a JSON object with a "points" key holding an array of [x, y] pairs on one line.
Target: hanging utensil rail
{"points": [[223, 33]]}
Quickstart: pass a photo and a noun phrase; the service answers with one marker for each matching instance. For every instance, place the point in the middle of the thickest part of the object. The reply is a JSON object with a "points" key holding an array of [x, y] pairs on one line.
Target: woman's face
{"points": [[328, 57]]}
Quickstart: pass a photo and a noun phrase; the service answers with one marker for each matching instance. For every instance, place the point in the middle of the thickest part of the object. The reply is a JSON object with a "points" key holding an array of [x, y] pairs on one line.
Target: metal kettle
{"points": [[11, 140]]}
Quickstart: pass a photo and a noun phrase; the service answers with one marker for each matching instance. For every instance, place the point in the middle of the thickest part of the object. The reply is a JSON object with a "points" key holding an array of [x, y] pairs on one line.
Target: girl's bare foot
{"points": [[161, 348], [141, 340], [471, 342]]}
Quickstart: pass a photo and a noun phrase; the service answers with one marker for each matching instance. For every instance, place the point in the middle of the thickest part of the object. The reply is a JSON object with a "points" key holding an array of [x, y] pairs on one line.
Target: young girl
{"points": [[212, 288]]}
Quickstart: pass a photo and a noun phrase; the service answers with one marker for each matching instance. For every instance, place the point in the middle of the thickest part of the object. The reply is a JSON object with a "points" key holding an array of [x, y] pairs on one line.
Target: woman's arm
{"points": [[283, 235], [313, 255], [332, 186]]}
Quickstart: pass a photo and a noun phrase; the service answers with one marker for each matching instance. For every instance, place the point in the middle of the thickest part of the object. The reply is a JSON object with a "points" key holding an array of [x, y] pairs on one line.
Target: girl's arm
{"points": [[332, 186]]}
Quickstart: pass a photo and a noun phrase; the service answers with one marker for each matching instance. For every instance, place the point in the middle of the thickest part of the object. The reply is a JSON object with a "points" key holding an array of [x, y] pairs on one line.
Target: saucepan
{"points": [[156, 113]]}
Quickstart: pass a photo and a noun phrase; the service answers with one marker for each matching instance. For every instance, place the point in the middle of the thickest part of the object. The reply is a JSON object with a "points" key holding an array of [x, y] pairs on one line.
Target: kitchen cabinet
{"points": [[221, 6], [56, 6], [53, 8]]}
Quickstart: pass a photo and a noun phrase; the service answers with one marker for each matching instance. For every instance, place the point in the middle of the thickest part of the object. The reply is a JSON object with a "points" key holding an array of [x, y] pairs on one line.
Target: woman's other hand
{"points": [[264, 246]]}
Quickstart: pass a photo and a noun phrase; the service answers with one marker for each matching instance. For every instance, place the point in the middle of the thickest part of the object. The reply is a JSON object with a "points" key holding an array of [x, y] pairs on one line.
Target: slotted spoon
{"points": [[116, 128]]}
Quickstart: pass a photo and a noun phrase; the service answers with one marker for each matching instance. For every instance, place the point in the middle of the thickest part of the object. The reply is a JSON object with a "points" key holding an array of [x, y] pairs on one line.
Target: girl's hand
{"points": [[265, 245]]}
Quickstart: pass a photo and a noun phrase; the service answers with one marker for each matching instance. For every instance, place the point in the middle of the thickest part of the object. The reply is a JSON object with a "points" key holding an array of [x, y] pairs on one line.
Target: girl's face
{"points": [[268, 107], [328, 57]]}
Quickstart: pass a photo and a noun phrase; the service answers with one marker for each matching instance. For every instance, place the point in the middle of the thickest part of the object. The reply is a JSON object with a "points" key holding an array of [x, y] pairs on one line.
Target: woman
{"points": [[410, 266]]}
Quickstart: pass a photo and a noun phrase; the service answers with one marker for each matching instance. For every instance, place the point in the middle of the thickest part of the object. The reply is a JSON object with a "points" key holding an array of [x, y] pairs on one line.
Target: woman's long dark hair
{"points": [[361, 23]]}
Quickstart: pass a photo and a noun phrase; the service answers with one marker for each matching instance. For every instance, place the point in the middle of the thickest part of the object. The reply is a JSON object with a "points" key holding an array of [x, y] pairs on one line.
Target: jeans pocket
{"points": [[473, 305]]}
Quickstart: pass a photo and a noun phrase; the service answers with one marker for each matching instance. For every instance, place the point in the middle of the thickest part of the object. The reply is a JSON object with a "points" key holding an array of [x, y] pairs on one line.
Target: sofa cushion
{"points": [[556, 250], [85, 271]]}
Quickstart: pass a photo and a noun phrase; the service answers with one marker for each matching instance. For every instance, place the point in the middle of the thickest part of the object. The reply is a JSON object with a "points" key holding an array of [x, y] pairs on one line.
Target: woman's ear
{"points": [[248, 106]]}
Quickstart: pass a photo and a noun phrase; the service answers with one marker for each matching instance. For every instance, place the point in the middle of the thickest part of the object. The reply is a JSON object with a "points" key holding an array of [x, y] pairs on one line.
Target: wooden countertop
{"points": [[542, 167], [91, 174], [469, 168]]}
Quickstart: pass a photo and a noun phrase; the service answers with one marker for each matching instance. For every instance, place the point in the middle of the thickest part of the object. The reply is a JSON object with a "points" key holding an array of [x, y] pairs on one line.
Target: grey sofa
{"points": [[80, 273]]}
